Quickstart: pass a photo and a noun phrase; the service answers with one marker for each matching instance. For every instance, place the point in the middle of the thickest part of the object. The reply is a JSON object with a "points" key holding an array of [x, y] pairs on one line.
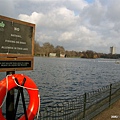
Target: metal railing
{"points": [[83, 107]]}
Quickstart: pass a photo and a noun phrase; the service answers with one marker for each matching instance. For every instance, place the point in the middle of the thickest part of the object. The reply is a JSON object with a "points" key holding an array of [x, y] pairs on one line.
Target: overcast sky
{"points": [[74, 24]]}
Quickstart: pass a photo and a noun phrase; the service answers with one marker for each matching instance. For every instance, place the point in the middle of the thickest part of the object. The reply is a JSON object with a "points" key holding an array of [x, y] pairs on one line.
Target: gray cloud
{"points": [[74, 24], [7, 8]]}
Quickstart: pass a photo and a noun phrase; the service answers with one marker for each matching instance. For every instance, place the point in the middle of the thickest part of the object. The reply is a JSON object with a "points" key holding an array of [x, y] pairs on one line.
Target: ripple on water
{"points": [[60, 79]]}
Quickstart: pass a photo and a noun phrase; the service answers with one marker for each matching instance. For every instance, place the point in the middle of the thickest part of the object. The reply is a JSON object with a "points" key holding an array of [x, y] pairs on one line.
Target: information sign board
{"points": [[16, 44], [16, 64], [16, 37]]}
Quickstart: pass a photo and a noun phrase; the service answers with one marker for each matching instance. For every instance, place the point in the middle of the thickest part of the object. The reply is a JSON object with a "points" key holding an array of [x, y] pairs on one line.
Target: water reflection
{"points": [[64, 78]]}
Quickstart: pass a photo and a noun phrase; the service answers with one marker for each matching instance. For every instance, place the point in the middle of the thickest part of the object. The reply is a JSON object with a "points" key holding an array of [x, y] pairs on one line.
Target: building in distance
{"points": [[112, 50], [52, 54]]}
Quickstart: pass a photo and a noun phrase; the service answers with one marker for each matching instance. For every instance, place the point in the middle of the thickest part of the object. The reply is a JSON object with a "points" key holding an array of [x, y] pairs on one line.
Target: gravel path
{"points": [[112, 113]]}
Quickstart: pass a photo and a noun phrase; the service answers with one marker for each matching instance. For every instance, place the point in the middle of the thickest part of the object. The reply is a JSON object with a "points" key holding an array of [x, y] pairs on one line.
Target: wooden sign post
{"points": [[16, 51]]}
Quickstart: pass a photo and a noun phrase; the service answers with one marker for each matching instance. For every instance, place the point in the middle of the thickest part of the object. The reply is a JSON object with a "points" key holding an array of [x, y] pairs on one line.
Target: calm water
{"points": [[61, 78]]}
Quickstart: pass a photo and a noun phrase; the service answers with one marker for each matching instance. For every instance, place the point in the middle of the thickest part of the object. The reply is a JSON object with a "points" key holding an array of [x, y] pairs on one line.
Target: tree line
{"points": [[48, 48]]}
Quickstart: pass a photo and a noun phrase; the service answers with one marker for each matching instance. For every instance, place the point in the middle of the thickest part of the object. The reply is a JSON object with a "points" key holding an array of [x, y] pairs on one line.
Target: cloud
{"points": [[67, 36], [74, 24], [54, 22], [33, 18], [94, 13], [7, 7], [113, 10]]}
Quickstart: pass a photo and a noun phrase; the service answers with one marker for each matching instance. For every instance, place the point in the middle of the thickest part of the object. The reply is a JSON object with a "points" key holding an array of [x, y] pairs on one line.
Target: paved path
{"points": [[112, 113]]}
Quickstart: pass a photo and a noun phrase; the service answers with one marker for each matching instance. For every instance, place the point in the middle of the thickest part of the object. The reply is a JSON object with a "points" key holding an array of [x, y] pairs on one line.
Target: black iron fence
{"points": [[83, 107]]}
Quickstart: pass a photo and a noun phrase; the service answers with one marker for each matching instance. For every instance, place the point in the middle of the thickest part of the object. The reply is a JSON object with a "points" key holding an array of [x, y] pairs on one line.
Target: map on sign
{"points": [[15, 37]]}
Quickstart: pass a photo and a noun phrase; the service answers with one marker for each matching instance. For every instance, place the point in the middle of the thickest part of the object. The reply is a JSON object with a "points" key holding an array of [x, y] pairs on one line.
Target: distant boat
{"points": [[117, 62]]}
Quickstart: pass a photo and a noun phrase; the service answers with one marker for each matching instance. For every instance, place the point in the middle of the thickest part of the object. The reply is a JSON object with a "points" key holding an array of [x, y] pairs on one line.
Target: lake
{"points": [[64, 78]]}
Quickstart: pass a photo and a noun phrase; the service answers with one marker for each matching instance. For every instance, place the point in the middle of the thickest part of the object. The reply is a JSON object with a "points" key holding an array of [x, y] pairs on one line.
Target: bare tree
{"points": [[36, 48], [47, 47], [59, 50]]}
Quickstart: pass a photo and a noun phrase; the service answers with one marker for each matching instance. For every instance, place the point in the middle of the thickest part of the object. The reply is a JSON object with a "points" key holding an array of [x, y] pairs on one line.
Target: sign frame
{"points": [[26, 24], [20, 59]]}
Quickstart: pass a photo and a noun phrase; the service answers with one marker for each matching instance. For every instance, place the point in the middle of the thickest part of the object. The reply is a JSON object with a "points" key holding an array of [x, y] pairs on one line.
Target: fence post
{"points": [[84, 105], [110, 95]]}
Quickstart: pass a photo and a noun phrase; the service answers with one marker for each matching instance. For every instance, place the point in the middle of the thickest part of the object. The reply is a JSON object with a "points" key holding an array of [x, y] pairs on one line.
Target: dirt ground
{"points": [[112, 113]]}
